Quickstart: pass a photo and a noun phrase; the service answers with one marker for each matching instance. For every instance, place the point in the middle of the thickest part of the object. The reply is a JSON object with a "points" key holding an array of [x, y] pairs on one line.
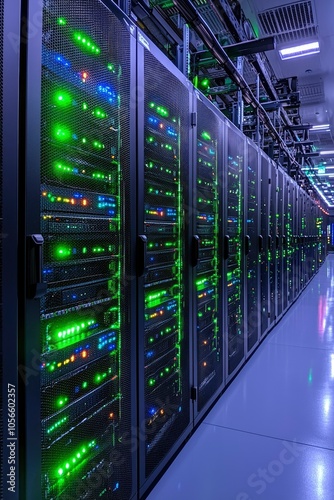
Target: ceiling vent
{"points": [[312, 93], [294, 21]]}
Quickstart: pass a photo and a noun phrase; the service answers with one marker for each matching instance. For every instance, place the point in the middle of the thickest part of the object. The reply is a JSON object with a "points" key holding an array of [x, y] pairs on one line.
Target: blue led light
{"points": [[108, 93], [171, 132], [153, 121], [61, 60]]}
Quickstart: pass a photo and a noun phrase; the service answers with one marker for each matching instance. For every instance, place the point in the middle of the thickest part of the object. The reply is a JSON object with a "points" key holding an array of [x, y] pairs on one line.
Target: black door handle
{"points": [[35, 286], [141, 254], [195, 250], [260, 243], [247, 244], [226, 246]]}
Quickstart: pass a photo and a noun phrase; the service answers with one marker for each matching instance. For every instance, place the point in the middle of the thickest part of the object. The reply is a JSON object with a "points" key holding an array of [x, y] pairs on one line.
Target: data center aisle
{"points": [[271, 435]]}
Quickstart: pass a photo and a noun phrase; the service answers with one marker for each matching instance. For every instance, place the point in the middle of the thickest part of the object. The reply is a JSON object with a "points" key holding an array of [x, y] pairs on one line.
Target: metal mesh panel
{"points": [[208, 328], [235, 259], [279, 229], [85, 385], [1, 231], [272, 243], [264, 234], [166, 343], [252, 259]]}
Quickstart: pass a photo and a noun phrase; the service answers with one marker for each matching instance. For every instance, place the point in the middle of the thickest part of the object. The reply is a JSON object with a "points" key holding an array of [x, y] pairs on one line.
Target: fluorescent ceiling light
{"points": [[322, 153], [320, 127], [300, 50]]}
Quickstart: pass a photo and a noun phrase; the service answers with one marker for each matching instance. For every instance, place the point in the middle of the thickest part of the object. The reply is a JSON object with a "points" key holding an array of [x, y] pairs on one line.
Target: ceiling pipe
{"points": [[193, 17]]}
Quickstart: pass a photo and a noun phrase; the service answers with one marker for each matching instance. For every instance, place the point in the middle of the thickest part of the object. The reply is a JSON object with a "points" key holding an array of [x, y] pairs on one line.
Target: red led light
{"points": [[84, 76]]}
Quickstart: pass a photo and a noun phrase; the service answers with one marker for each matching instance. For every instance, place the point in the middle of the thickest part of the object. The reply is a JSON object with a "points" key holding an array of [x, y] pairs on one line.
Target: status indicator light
{"points": [[61, 133], [111, 67], [61, 60], [86, 43], [206, 136], [62, 99], [99, 113], [159, 109]]}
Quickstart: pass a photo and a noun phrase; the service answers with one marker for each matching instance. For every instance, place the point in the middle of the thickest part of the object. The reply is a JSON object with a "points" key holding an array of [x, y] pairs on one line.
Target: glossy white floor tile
{"points": [[271, 434], [221, 464]]}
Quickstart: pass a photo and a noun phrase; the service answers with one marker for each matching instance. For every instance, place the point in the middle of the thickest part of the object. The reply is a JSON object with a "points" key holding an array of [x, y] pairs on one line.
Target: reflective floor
{"points": [[271, 434]]}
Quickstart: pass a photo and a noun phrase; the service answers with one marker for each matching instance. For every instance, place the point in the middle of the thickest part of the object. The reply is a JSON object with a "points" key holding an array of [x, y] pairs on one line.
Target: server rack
{"points": [[163, 259], [280, 277], [79, 407], [234, 250], [272, 242], [10, 18], [252, 317], [207, 238], [264, 243], [290, 239], [285, 242]]}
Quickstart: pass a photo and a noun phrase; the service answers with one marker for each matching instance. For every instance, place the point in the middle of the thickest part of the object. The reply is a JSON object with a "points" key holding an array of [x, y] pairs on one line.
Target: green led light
{"points": [[62, 99], [151, 382], [61, 133], [61, 21], [63, 252], [84, 385], [205, 83], [99, 113], [60, 167], [159, 109], [86, 43], [98, 145], [62, 401], [73, 329], [56, 425], [84, 106], [206, 136], [111, 67], [79, 454]]}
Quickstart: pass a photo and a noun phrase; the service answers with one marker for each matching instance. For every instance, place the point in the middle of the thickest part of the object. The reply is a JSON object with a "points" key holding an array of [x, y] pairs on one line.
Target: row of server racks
{"points": [[147, 247]]}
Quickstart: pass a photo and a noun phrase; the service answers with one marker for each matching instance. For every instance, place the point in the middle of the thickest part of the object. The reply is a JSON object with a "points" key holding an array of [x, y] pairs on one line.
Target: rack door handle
{"points": [[195, 250], [277, 241], [247, 244], [270, 241], [260, 243], [141, 254], [35, 286], [226, 246], [284, 240]]}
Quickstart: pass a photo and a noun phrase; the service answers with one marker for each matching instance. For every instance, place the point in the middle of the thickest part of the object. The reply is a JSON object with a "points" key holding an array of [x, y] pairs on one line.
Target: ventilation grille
{"points": [[290, 22], [312, 93]]}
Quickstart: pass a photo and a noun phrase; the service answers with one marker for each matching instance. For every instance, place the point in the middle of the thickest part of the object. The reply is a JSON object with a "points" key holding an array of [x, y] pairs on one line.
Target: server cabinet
{"points": [[207, 253], [264, 244], [272, 242], [291, 242], [234, 249], [285, 242], [163, 259], [9, 317], [279, 239], [79, 404], [252, 319]]}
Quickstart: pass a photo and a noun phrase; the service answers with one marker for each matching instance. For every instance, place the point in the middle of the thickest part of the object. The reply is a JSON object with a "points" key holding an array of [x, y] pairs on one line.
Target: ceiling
{"points": [[309, 100], [296, 23]]}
